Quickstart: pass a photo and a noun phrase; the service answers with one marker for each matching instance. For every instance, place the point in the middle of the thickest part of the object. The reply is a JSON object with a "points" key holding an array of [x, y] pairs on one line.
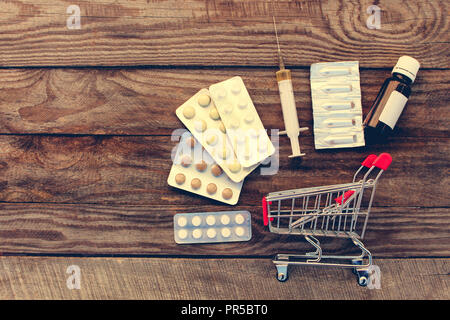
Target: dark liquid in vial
{"points": [[376, 130]]}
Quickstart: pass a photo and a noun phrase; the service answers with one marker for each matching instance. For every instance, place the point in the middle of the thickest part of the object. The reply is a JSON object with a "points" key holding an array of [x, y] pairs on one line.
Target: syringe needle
{"points": [[280, 57]]}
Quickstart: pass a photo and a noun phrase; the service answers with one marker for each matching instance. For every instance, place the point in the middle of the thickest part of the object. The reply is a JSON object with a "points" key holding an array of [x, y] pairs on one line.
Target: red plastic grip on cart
{"points": [[383, 161], [369, 161], [347, 195], [265, 211]]}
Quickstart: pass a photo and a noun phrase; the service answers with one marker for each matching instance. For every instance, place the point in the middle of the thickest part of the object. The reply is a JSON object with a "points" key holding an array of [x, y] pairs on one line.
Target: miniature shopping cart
{"points": [[340, 211]]}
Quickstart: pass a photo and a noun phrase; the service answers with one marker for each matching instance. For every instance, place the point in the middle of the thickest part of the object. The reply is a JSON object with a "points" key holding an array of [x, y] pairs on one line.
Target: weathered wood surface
{"points": [[151, 278], [143, 101], [236, 32], [134, 170], [148, 230]]}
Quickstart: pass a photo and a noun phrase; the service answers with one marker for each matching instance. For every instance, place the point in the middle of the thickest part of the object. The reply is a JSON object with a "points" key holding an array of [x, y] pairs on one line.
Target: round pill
{"points": [[239, 219], [211, 233], [226, 232], [197, 233], [182, 221], [236, 88], [186, 161], [227, 193], [235, 123], [242, 103], [182, 234], [196, 183], [190, 142], [216, 170], [211, 188], [203, 100], [214, 114], [249, 118], [210, 220], [211, 140], [188, 112], [222, 128], [221, 93], [180, 178], [241, 138], [255, 133], [239, 231], [224, 219], [234, 167], [228, 108], [201, 166], [196, 221], [200, 125]]}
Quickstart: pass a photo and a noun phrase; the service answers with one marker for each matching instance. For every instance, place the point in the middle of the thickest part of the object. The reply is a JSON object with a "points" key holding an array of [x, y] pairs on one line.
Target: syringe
{"points": [[290, 117]]}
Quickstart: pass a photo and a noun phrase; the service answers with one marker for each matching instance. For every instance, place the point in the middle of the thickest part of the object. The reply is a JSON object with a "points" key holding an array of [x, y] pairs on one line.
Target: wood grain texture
{"points": [[148, 230], [143, 101], [112, 278], [217, 32], [134, 170]]}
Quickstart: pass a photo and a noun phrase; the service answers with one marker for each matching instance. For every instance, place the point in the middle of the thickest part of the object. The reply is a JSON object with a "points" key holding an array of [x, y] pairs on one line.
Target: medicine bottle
{"points": [[390, 101]]}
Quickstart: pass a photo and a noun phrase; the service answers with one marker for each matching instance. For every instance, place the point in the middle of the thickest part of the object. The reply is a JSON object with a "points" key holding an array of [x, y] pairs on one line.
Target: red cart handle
{"points": [[369, 161], [383, 161], [266, 211], [347, 195]]}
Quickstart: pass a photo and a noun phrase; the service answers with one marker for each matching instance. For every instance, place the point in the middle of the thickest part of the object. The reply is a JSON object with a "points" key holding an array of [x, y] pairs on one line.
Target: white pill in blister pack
{"points": [[336, 102], [244, 128], [331, 106], [337, 70], [344, 89], [338, 120], [199, 114], [338, 138], [195, 171], [210, 227]]}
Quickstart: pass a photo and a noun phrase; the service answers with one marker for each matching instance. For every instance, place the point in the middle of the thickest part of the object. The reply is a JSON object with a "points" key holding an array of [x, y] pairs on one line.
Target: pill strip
{"points": [[195, 171], [200, 116], [245, 130], [212, 227], [336, 103]]}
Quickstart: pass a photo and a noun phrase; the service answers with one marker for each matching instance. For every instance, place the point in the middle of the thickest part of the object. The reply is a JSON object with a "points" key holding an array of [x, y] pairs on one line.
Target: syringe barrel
{"points": [[288, 103]]}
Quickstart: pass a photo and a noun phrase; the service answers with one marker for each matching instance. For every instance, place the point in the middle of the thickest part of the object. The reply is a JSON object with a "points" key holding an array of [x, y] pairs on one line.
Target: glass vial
{"points": [[390, 101]]}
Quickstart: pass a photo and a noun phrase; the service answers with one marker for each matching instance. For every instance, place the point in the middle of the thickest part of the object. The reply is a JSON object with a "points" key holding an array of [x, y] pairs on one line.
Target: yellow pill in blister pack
{"points": [[188, 112], [204, 100], [214, 114], [239, 231]]}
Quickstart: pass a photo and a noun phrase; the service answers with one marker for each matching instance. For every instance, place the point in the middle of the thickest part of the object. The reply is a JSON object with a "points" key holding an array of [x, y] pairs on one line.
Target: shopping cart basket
{"points": [[340, 211]]}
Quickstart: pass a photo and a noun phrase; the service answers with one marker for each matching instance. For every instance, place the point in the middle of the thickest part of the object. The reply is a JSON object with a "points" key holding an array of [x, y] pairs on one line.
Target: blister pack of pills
{"points": [[210, 227], [336, 103], [195, 171], [200, 116], [244, 128]]}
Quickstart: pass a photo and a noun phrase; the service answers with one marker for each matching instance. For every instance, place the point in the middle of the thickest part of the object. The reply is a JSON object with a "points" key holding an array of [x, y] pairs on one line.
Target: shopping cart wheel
{"points": [[282, 273], [282, 277], [363, 278], [356, 262]]}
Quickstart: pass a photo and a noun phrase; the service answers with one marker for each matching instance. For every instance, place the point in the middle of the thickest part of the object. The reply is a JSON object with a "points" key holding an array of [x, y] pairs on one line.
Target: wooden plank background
{"points": [[141, 278], [239, 32], [86, 118]]}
